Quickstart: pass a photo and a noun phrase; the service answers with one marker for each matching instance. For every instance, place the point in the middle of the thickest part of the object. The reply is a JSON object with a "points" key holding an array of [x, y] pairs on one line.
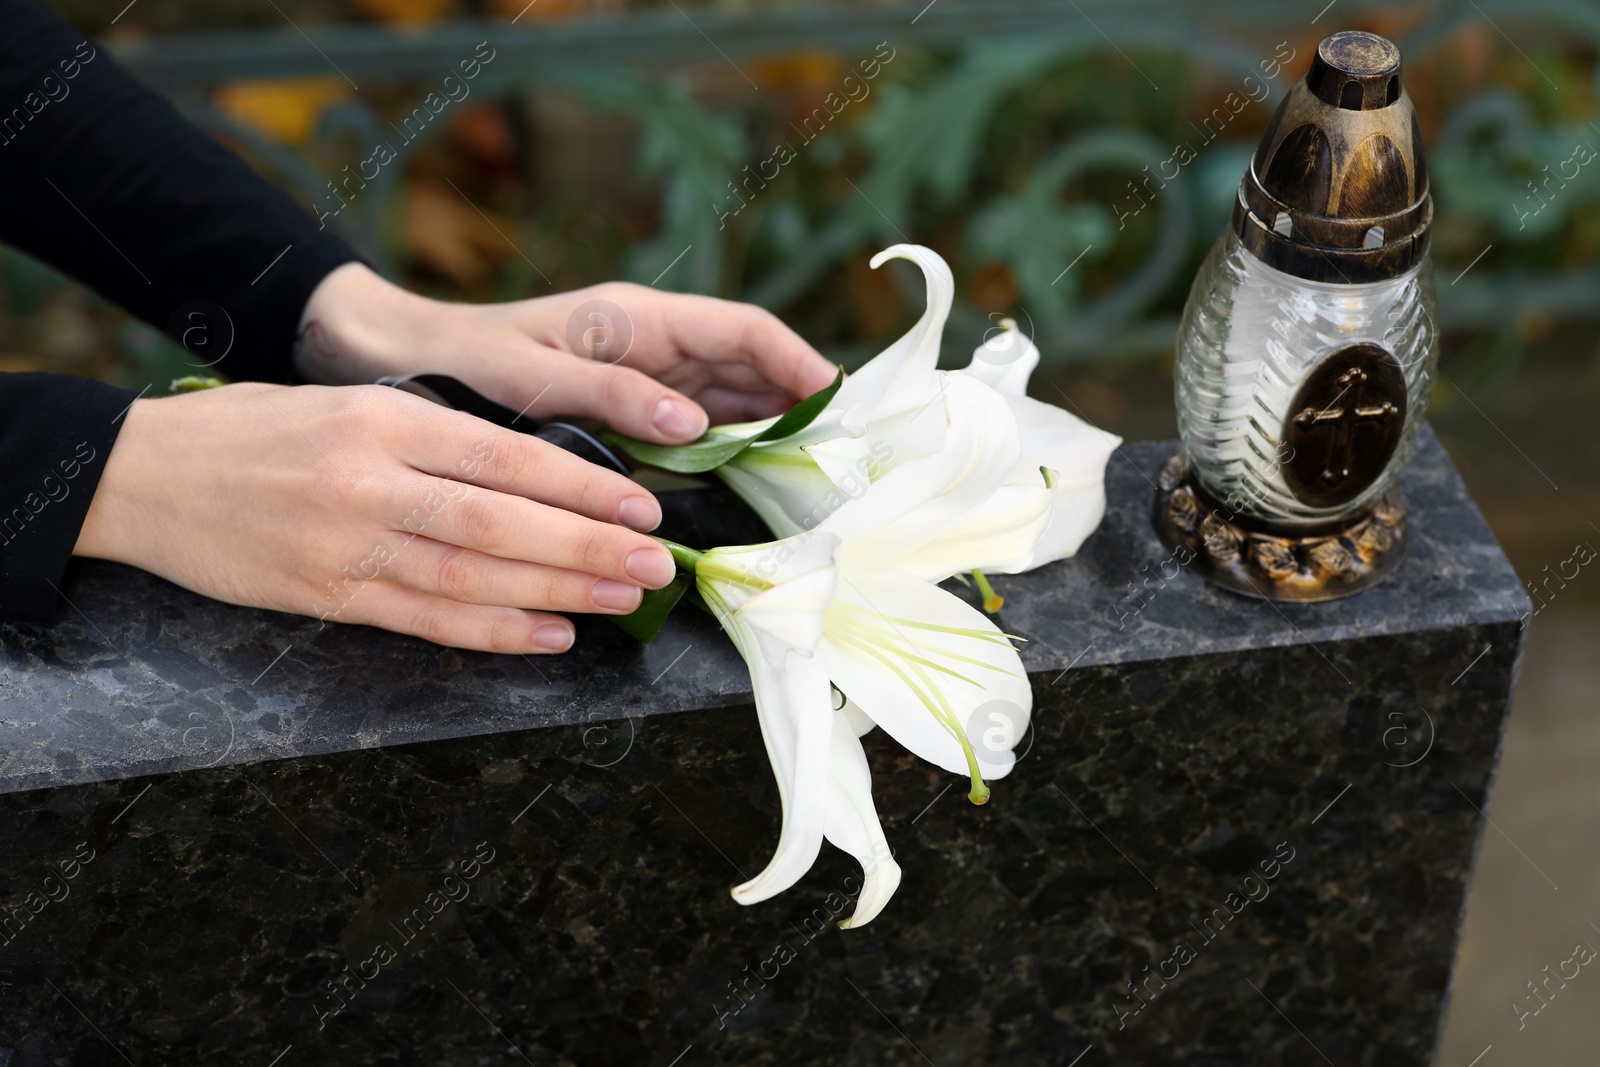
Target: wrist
{"points": [[357, 328], [111, 520]]}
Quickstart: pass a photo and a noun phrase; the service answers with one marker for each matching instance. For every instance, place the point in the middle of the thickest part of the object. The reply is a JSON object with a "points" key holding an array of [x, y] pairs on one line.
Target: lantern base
{"points": [[1256, 560]]}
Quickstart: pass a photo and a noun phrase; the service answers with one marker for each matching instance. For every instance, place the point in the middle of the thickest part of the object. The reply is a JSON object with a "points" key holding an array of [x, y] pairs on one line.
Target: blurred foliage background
{"points": [[1007, 141], [640, 139], [741, 149]]}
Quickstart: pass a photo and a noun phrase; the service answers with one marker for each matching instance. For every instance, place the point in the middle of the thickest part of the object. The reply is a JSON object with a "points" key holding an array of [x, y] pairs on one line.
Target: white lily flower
{"points": [[1074, 452], [850, 606], [881, 418], [882, 415]]}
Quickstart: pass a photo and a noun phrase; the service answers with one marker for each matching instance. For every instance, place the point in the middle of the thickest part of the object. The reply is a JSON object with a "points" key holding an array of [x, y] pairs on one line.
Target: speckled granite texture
{"points": [[140, 677], [573, 878]]}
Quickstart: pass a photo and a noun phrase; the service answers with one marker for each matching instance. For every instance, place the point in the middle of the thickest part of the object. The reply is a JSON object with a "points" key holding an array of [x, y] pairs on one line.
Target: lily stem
{"points": [[685, 557], [992, 601]]}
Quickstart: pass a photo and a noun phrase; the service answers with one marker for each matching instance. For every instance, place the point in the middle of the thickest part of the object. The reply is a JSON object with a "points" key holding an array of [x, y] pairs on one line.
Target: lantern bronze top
{"points": [[1337, 191]]}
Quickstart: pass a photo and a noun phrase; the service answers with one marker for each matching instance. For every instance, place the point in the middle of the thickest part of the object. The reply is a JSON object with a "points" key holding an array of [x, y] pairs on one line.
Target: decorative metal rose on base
{"points": [[1308, 344]]}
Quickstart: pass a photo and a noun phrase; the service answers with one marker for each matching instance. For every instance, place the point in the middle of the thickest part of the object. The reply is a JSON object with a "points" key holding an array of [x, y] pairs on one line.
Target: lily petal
{"points": [[771, 600], [794, 704], [887, 401], [789, 617], [900, 377], [1075, 452], [783, 486], [889, 440], [922, 664], [1006, 360], [919, 500], [771, 563], [1001, 536], [852, 822]]}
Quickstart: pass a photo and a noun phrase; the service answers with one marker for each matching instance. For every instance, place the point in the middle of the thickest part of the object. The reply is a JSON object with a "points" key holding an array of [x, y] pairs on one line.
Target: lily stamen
{"points": [[992, 601]]}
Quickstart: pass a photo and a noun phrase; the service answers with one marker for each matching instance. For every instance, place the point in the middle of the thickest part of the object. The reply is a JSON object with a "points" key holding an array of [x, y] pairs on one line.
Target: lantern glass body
{"points": [[1250, 335]]}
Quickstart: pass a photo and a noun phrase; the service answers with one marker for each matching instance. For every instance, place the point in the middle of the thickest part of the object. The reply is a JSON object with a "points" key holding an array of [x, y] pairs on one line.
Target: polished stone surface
{"points": [[1309, 778], [140, 677]]}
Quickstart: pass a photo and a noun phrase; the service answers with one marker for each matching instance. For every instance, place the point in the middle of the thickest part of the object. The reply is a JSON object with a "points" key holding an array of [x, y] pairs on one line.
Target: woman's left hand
{"points": [[655, 365]]}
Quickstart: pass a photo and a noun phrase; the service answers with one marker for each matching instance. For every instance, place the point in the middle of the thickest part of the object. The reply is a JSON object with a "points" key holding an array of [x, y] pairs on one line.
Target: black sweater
{"points": [[102, 179]]}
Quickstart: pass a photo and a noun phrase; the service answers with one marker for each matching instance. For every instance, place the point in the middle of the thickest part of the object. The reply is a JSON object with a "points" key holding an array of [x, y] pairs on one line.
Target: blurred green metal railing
{"points": [[663, 40], [923, 141]]}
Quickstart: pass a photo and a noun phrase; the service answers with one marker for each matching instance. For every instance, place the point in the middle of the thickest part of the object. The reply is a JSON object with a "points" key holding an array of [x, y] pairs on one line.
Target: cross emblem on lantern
{"points": [[1350, 412]]}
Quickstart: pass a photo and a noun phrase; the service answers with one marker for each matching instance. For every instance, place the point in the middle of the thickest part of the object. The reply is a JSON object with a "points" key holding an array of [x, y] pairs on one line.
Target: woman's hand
{"points": [[651, 364], [371, 505]]}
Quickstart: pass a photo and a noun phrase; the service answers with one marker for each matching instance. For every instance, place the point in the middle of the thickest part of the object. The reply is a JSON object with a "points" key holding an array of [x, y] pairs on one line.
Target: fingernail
{"points": [[553, 637], [650, 566], [642, 513], [671, 418], [618, 596]]}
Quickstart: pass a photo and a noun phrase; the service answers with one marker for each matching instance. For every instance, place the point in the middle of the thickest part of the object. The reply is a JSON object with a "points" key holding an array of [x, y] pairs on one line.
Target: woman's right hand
{"points": [[367, 504]]}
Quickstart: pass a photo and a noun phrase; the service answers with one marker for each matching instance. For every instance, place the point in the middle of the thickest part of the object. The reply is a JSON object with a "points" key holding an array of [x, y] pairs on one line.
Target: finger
{"points": [[472, 577], [457, 446], [515, 528], [626, 400], [450, 622], [739, 376], [724, 330], [731, 405]]}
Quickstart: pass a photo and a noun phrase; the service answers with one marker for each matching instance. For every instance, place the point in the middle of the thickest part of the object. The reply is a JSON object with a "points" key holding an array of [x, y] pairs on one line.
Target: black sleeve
{"points": [[55, 434], [101, 178]]}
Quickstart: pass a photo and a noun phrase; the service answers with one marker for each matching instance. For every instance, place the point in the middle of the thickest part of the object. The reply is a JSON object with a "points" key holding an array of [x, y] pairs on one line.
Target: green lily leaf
{"points": [[714, 449], [706, 454], [802, 414], [645, 621]]}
